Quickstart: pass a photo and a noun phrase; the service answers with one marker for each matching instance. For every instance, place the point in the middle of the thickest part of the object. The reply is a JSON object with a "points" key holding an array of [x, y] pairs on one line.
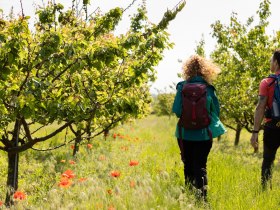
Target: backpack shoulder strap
{"points": [[180, 85], [274, 77]]}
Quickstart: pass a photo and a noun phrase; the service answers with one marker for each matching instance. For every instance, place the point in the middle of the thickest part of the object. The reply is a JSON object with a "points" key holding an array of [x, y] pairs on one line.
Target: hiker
{"points": [[268, 107], [198, 108]]}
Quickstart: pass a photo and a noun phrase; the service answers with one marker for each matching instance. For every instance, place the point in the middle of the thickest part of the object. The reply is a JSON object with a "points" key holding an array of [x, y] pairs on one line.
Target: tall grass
{"points": [[156, 183]]}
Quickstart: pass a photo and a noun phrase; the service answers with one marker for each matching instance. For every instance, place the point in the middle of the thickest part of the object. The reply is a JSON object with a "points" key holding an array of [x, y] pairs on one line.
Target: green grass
{"points": [[233, 172]]}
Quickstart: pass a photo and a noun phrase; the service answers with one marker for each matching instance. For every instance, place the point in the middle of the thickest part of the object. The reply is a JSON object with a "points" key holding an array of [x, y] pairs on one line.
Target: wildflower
{"points": [[111, 208], [72, 162], [82, 179], [124, 148], [109, 191], [18, 195], [89, 146], [68, 174], [132, 184], [102, 157], [1, 203], [115, 173], [63, 161], [133, 163], [64, 182], [114, 135], [72, 147]]}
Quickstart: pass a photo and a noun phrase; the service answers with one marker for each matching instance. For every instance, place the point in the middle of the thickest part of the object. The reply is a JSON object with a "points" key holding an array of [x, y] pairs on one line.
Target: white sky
{"points": [[185, 31]]}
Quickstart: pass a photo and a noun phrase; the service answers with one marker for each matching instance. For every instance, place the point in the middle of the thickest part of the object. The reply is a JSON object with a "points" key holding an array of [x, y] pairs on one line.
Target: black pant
{"points": [[194, 156], [271, 142]]}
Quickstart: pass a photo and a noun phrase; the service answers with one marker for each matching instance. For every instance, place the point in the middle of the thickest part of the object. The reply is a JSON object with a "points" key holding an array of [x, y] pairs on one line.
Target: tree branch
{"points": [[24, 82], [36, 140], [72, 129], [229, 126], [3, 149], [22, 13], [26, 129], [63, 71], [107, 127], [6, 142]]}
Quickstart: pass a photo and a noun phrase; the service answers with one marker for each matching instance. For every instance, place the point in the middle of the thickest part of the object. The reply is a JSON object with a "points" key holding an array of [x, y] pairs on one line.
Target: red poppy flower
{"points": [[115, 173], [89, 146], [1, 203], [72, 162], [72, 146], [82, 179], [68, 174], [133, 163], [64, 182], [110, 192], [132, 184], [18, 195]]}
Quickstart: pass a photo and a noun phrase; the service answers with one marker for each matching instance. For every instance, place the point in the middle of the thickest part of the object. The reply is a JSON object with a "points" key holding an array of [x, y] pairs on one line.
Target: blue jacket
{"points": [[213, 107]]}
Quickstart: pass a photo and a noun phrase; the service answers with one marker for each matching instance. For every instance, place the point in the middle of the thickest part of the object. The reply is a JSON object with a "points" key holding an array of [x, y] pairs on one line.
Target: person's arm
{"points": [[177, 104], [258, 118], [216, 104]]}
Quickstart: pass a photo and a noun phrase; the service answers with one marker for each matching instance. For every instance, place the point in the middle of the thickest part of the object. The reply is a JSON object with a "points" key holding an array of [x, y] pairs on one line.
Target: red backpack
{"points": [[194, 112]]}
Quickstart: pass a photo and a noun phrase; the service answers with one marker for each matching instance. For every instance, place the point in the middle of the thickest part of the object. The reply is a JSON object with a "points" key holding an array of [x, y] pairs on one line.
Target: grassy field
{"points": [[156, 182]]}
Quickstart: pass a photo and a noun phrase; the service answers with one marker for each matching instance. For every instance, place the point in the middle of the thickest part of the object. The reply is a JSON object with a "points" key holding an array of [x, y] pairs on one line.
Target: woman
{"points": [[195, 143]]}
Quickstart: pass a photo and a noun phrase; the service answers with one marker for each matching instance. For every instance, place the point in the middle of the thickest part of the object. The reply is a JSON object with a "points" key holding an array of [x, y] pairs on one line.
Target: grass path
{"points": [[156, 182]]}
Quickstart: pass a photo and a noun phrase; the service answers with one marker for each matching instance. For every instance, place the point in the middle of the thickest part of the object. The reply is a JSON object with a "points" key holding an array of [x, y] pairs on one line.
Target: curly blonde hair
{"points": [[199, 66]]}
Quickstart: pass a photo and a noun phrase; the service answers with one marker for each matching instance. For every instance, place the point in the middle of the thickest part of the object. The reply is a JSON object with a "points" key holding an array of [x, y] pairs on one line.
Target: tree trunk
{"points": [[13, 158], [77, 142], [88, 130], [12, 180], [106, 134], [237, 134]]}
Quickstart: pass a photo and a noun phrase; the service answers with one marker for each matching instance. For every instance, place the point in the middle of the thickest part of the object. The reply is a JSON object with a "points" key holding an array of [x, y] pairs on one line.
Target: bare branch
{"points": [[22, 13], [229, 126], [72, 129], [38, 129], [26, 129], [36, 140], [108, 127], [130, 5], [53, 148], [6, 142]]}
